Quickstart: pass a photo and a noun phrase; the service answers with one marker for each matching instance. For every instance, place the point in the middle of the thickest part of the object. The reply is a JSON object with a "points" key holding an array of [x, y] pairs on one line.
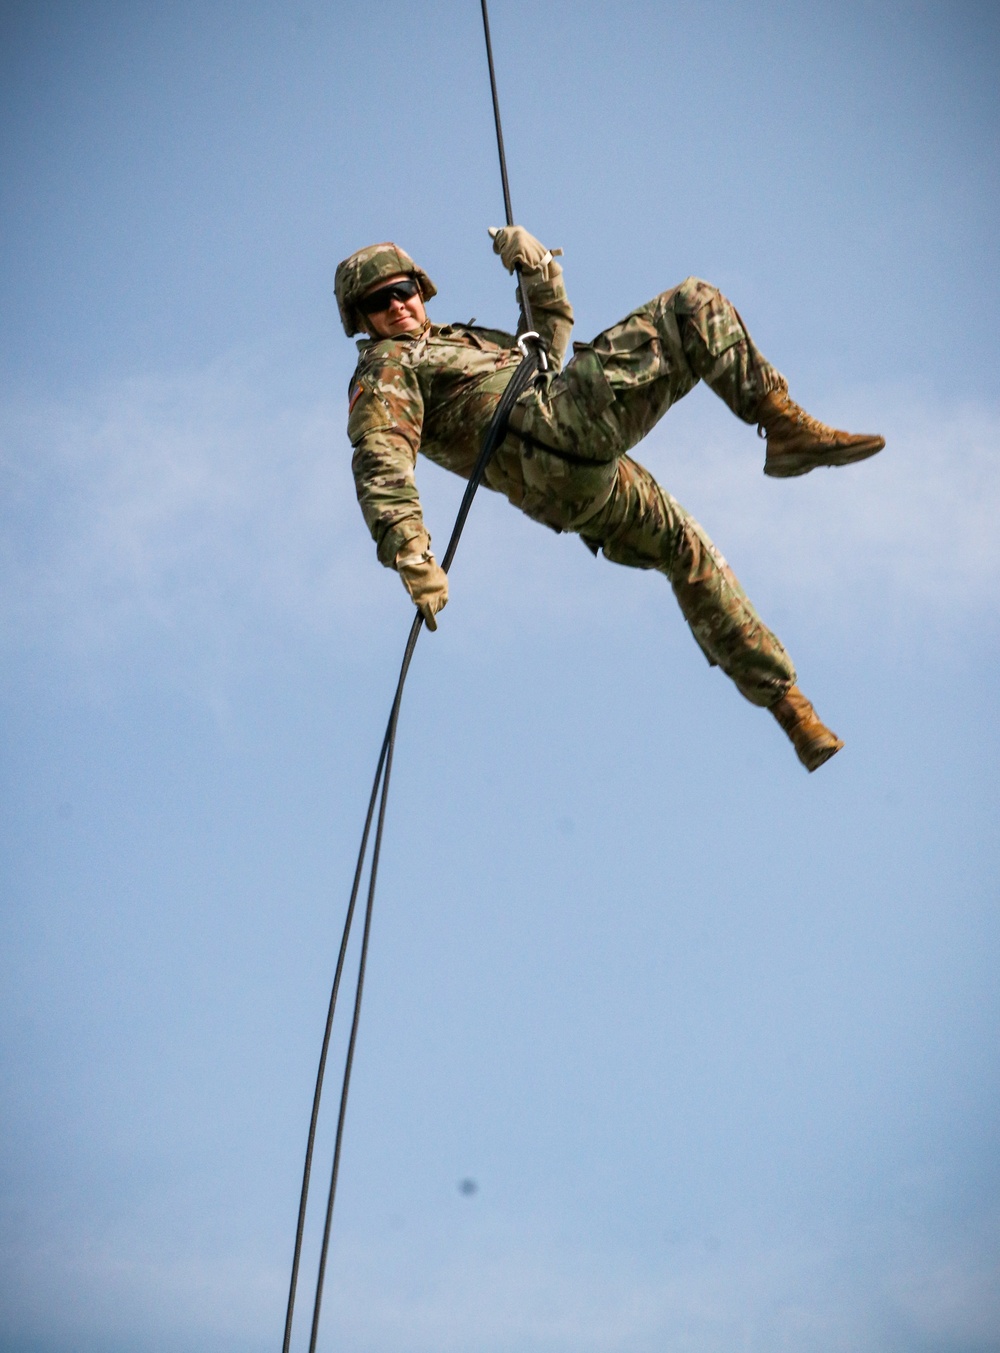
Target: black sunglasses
{"points": [[381, 300]]}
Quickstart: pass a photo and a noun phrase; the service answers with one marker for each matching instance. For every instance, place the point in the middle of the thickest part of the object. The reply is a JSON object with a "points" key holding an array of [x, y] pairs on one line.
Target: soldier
{"points": [[433, 388]]}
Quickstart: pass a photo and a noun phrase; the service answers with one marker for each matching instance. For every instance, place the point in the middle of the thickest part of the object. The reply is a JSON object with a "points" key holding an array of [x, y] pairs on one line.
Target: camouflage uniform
{"points": [[563, 461]]}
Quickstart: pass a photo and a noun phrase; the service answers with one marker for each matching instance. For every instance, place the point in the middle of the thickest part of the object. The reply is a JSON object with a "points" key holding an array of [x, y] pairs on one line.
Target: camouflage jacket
{"points": [[435, 391]]}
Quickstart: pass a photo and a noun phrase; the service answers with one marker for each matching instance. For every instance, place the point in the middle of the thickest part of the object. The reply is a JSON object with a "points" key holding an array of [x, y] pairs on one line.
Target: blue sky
{"points": [[716, 1040]]}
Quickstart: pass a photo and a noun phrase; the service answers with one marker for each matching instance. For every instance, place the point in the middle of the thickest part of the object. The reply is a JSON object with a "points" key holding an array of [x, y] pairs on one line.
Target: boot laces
{"points": [[796, 415]]}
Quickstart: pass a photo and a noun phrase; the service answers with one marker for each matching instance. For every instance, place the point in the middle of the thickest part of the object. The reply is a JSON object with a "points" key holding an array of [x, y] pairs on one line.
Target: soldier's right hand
{"points": [[423, 577], [518, 249]]}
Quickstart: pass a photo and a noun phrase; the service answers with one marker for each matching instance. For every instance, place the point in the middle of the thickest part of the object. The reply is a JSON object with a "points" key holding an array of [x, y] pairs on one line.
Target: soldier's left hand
{"points": [[423, 577], [518, 249]]}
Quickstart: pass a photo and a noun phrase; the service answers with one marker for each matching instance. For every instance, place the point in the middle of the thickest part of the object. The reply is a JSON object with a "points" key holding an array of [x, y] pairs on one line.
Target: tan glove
{"points": [[423, 577], [518, 249]]}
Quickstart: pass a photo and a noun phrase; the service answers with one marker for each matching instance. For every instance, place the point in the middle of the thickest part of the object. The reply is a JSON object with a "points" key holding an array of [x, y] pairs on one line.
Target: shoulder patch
{"points": [[368, 411]]}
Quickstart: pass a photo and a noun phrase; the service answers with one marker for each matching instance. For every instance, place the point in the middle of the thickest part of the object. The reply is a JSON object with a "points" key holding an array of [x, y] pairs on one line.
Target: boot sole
{"points": [[792, 463]]}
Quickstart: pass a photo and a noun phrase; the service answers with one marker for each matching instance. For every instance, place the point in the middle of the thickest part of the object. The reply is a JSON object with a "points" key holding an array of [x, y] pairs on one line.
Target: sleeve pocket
{"points": [[370, 412]]}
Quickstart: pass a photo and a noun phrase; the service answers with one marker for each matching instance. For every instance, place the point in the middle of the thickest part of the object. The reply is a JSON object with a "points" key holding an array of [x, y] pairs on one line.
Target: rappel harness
{"points": [[533, 360]]}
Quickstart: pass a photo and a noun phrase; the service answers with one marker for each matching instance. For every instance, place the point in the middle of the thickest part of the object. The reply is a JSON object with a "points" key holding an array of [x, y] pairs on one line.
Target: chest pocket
{"points": [[369, 411]]}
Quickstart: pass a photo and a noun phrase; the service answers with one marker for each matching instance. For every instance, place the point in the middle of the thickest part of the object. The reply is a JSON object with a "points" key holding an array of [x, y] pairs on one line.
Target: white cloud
{"points": [[501, 1287], [185, 503], [791, 1294], [199, 504], [913, 528]]}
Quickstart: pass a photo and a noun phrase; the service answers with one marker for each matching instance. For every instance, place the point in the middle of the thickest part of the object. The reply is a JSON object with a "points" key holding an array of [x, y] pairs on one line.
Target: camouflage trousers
{"points": [[564, 464]]}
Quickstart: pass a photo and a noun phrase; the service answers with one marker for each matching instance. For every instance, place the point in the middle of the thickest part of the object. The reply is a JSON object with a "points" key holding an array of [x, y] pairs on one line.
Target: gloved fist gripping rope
{"points": [[518, 249], [423, 577]]}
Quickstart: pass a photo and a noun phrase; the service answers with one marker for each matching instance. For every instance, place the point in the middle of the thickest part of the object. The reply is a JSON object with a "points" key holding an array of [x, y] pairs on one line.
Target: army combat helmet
{"points": [[364, 269]]}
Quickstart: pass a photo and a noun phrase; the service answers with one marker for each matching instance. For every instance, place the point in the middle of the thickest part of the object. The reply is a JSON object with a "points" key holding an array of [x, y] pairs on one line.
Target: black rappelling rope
{"points": [[522, 295], [495, 433]]}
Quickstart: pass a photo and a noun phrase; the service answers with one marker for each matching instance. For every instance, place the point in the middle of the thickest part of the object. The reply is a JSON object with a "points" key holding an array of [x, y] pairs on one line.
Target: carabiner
{"points": [[522, 343]]}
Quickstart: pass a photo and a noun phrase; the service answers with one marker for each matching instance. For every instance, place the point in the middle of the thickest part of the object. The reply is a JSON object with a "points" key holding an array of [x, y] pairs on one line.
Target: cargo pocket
{"points": [[571, 414], [584, 419], [563, 494], [630, 352], [587, 380], [711, 316]]}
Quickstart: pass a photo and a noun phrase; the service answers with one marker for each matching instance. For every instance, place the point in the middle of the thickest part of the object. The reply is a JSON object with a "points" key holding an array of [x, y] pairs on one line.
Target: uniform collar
{"points": [[422, 332]]}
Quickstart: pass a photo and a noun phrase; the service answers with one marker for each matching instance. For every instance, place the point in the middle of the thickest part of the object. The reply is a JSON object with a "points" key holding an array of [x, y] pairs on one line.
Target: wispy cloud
{"points": [[914, 526], [802, 1296], [186, 502], [198, 503], [509, 1287]]}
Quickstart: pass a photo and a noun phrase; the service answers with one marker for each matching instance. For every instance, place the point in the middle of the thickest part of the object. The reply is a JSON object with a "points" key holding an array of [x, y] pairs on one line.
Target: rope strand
{"points": [[494, 435], [522, 295]]}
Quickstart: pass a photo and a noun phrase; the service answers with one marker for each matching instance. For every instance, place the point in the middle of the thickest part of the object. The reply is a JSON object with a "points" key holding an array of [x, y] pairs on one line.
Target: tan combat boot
{"points": [[812, 740], [797, 443]]}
